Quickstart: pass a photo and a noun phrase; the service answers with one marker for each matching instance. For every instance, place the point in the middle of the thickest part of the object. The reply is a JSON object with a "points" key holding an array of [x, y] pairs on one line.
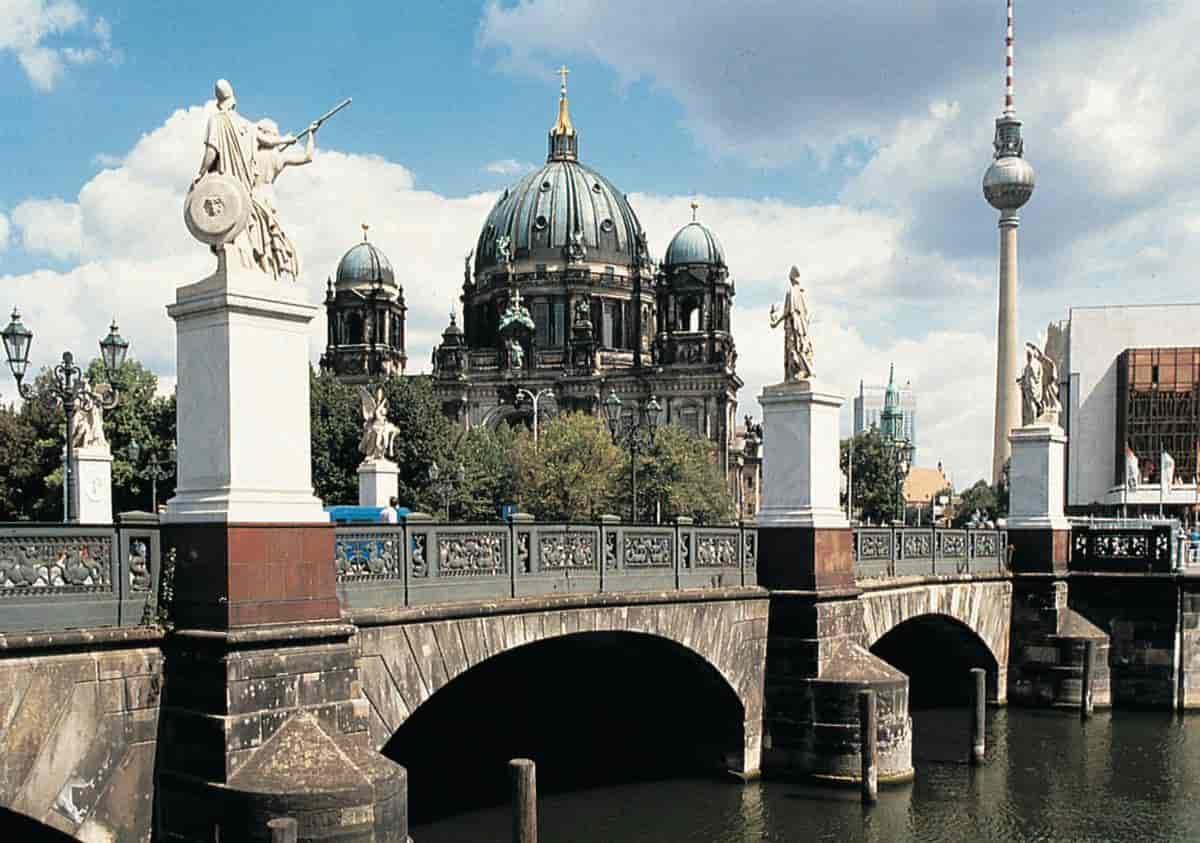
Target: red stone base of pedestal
{"points": [[805, 558], [1041, 551], [232, 575]]}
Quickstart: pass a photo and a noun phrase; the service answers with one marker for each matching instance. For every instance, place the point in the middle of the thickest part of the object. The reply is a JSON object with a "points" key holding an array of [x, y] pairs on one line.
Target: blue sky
{"points": [[845, 137]]}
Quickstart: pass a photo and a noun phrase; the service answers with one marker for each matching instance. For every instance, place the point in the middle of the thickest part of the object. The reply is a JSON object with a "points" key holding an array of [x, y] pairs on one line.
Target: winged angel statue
{"points": [[379, 435]]}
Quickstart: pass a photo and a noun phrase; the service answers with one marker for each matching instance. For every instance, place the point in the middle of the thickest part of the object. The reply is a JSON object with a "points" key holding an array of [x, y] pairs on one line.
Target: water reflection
{"points": [[1128, 776]]}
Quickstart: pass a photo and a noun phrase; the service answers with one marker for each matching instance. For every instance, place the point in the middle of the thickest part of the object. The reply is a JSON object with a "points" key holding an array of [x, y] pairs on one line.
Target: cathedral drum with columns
{"points": [[564, 296]]}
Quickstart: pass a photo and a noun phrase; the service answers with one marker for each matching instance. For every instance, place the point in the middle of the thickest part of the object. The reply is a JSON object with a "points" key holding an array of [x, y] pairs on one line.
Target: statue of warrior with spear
{"points": [[232, 198]]}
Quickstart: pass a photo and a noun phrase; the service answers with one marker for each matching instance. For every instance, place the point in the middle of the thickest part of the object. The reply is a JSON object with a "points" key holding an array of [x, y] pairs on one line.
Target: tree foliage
{"points": [[33, 436], [570, 475], [874, 476], [991, 501], [678, 473]]}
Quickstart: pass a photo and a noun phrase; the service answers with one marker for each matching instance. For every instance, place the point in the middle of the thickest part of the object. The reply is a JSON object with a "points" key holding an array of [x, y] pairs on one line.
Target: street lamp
{"points": [[154, 470], [445, 485], [634, 430], [69, 386], [535, 398], [902, 455]]}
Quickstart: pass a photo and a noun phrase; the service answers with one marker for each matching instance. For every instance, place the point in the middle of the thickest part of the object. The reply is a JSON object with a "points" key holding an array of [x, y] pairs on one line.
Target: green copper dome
{"points": [[695, 243]]}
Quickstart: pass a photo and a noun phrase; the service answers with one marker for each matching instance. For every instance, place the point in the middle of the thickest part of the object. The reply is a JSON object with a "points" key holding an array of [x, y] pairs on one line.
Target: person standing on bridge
{"points": [[389, 515]]}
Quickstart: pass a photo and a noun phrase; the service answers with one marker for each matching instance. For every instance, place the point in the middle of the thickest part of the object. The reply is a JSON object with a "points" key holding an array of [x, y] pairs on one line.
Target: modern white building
{"points": [[1131, 377]]}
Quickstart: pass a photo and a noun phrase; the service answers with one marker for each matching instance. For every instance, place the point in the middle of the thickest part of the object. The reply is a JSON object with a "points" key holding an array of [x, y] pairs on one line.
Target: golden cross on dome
{"points": [[695, 207], [365, 226], [562, 71]]}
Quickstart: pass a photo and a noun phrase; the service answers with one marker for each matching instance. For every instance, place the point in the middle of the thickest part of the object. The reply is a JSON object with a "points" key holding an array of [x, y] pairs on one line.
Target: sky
{"points": [[846, 137]]}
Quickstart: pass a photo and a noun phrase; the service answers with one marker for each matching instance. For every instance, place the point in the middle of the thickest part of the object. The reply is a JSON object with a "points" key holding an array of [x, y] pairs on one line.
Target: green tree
{"points": [[990, 500], [335, 420], [678, 472], [336, 428], [570, 475], [490, 477], [21, 481], [874, 476]]}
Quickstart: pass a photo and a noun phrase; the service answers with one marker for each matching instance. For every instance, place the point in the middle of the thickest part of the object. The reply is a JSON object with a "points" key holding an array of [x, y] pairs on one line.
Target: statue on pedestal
{"points": [[87, 420], [231, 199], [797, 343], [379, 434], [1039, 388]]}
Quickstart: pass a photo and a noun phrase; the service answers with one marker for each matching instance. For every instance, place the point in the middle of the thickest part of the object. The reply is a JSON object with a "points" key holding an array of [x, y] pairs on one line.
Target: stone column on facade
{"points": [[91, 484], [263, 712], [816, 663]]}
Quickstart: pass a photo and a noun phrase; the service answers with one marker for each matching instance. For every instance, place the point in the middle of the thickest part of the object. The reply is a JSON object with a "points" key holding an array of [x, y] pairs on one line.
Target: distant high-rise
{"points": [[868, 409], [1007, 186]]}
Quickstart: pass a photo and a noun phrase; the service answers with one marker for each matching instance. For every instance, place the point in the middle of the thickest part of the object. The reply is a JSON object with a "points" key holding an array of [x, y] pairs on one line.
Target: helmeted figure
{"points": [[87, 420], [797, 343], [252, 154], [1039, 388]]}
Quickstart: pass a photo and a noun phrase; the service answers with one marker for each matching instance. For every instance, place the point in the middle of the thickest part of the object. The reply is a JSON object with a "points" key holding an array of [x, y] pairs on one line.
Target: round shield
{"points": [[217, 209]]}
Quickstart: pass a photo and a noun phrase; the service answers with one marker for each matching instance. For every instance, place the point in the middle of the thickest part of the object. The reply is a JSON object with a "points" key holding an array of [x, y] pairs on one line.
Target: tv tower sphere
{"points": [[1008, 182]]}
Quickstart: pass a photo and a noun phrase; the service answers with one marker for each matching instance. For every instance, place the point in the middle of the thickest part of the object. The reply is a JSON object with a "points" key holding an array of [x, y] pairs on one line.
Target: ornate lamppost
{"points": [[69, 387], [634, 430], [154, 470], [444, 484], [534, 398], [902, 454]]}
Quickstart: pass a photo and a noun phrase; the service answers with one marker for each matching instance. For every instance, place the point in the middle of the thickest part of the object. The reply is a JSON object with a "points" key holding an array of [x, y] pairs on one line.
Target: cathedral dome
{"points": [[364, 266], [564, 212], [695, 243]]}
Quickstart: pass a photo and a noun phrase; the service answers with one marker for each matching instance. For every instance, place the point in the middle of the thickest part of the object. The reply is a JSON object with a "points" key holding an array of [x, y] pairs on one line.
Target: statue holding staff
{"points": [[797, 342]]}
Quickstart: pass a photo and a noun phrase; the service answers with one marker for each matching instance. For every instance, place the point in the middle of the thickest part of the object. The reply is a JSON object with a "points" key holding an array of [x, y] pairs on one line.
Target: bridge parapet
{"points": [[420, 561], [918, 551], [71, 576]]}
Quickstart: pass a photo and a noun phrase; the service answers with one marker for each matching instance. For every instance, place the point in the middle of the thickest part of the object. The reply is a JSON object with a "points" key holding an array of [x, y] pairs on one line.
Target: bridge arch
{"points": [[720, 643], [969, 621]]}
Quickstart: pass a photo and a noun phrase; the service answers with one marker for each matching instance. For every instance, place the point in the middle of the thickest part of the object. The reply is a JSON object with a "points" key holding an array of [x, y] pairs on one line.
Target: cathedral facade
{"points": [[563, 300]]}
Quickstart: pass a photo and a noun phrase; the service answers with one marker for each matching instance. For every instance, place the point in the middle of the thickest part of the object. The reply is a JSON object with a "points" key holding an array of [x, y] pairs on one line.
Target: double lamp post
{"points": [[635, 431], [68, 387]]}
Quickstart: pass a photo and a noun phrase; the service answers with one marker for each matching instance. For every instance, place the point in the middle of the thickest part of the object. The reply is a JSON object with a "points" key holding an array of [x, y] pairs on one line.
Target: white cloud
{"points": [[3, 232], [508, 167], [49, 226], [47, 35]]}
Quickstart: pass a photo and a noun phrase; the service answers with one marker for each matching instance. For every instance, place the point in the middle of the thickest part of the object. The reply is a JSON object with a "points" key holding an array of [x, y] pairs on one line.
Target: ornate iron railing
{"points": [[70, 576], [922, 551], [1126, 546], [420, 561]]}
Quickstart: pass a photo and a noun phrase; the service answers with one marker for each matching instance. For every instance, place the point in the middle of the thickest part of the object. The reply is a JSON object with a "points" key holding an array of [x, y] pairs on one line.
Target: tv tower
{"points": [[1007, 185]]}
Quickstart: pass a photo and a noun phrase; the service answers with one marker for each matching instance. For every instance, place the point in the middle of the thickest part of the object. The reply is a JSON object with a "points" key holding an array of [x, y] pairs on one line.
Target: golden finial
{"points": [[695, 207], [563, 125], [365, 226]]}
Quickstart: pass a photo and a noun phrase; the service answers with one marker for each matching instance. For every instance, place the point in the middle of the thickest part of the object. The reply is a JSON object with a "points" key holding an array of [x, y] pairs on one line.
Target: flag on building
{"points": [[1166, 472], [1133, 474]]}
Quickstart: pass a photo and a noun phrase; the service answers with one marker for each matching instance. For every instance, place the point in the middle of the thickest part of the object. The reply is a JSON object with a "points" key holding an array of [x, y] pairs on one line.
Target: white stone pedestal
{"points": [[1035, 478], [378, 480], [243, 401], [800, 457], [91, 485]]}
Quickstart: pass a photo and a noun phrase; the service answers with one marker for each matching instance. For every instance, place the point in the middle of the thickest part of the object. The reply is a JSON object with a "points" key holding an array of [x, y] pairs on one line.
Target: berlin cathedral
{"points": [[564, 299]]}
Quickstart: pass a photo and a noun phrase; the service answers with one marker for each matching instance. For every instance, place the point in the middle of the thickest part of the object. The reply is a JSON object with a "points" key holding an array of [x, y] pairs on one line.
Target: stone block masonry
{"points": [[78, 730]]}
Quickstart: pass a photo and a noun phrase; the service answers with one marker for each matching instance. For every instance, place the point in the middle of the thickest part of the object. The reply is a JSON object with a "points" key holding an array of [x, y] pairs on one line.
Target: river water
{"points": [[1120, 776]]}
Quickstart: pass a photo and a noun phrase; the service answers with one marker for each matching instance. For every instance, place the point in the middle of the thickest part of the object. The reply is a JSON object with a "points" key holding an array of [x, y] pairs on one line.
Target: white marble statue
{"points": [[1039, 388], [797, 342], [379, 434], [231, 200], [87, 420]]}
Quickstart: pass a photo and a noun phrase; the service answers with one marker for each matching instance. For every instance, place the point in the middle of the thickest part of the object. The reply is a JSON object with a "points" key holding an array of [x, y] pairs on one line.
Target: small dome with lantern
{"points": [[695, 243], [364, 265]]}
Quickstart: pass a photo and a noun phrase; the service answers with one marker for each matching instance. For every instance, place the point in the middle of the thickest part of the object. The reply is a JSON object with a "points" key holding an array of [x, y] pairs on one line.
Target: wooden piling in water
{"points": [[1085, 687], [524, 796], [978, 715], [283, 830], [867, 726]]}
